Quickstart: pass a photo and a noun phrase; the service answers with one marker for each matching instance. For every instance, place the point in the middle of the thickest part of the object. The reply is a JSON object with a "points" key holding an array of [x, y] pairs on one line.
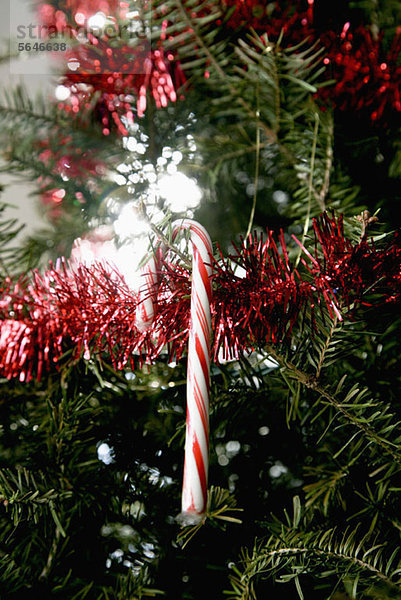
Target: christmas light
{"points": [[62, 93], [180, 192]]}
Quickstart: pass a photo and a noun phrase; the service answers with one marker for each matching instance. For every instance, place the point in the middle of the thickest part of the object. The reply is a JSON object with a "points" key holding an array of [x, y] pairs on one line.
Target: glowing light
{"points": [[133, 231], [180, 192], [80, 18], [58, 195], [131, 144], [73, 64], [345, 29], [104, 453], [129, 224], [62, 93], [119, 179], [97, 21], [277, 470]]}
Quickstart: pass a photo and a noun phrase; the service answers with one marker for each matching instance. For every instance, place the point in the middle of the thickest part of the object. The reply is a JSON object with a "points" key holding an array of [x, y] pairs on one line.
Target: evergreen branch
{"points": [[23, 496], [20, 106], [132, 586], [220, 505], [9, 257], [162, 237], [256, 179], [21, 162], [310, 186], [329, 162], [11, 573], [326, 346], [260, 562], [193, 27], [291, 551], [344, 408], [51, 556], [19, 113], [234, 154], [326, 485]]}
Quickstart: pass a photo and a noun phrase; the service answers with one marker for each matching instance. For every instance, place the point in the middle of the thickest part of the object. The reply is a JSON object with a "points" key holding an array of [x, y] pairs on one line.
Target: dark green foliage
{"points": [[9, 229], [305, 434]]}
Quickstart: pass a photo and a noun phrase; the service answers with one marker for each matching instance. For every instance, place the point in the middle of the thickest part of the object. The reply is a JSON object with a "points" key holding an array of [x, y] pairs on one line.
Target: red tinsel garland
{"points": [[106, 74], [93, 310], [367, 76], [118, 79]]}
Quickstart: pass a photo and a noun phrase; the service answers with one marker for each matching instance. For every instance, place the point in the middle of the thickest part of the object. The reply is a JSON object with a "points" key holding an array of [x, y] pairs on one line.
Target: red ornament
{"points": [[105, 75]]}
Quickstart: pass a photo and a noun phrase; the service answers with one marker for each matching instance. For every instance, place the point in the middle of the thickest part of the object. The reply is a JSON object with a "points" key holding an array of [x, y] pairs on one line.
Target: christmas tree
{"points": [[276, 126]]}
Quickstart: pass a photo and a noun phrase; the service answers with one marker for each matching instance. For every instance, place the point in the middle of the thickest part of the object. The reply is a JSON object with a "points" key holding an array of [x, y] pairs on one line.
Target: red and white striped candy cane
{"points": [[194, 491], [145, 311]]}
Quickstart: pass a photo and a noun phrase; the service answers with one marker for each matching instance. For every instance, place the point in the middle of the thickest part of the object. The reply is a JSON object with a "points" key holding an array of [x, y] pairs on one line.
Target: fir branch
{"points": [[18, 106], [256, 179], [357, 419], [326, 486], [234, 154], [211, 59], [51, 556], [162, 237], [23, 496], [326, 346], [310, 186], [328, 166], [220, 505], [10, 257], [293, 549]]}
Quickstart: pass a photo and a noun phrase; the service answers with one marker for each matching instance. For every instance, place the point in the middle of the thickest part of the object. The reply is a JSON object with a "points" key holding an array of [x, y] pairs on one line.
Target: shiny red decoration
{"points": [[108, 77], [366, 74], [67, 162], [68, 14], [367, 77], [273, 18], [118, 81], [92, 310], [360, 272]]}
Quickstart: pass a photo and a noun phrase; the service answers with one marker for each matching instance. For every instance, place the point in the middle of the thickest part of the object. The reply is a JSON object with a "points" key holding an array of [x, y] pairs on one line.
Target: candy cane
{"points": [[145, 311], [194, 490]]}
